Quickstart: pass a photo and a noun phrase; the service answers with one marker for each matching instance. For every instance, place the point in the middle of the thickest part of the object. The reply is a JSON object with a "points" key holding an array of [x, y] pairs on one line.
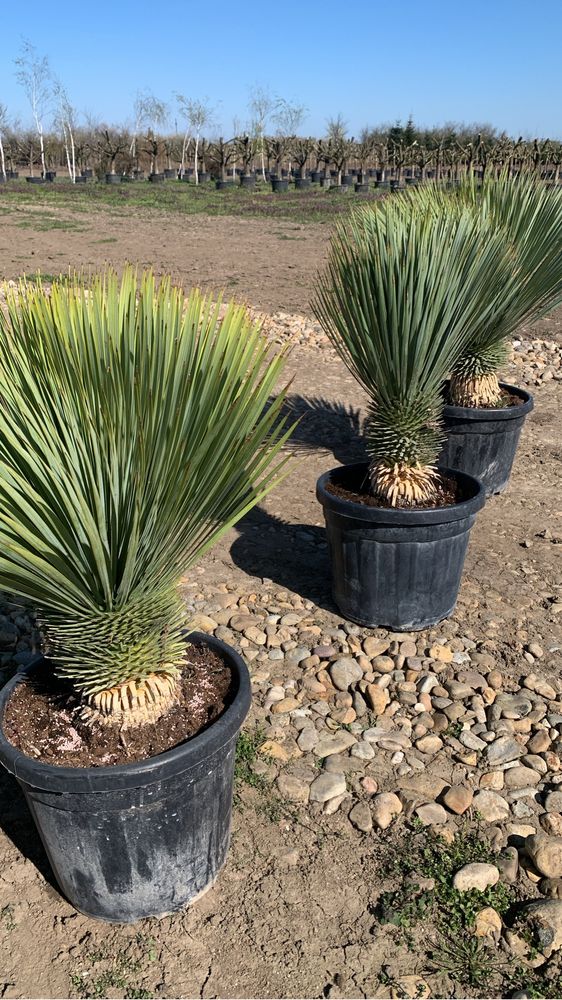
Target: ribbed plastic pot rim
{"points": [[393, 516], [135, 775], [491, 413]]}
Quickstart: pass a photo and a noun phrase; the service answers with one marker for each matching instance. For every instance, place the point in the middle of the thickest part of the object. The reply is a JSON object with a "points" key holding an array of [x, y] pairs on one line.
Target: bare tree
{"points": [[262, 105], [150, 115], [337, 143], [66, 120], [199, 115], [288, 118], [34, 75], [3, 130]]}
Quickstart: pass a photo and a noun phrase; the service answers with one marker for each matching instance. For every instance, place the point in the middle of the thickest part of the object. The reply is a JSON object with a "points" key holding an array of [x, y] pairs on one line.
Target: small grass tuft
{"points": [[247, 749]]}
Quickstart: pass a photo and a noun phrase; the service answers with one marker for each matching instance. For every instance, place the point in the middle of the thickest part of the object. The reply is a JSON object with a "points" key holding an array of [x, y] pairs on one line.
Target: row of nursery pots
{"points": [[145, 839]]}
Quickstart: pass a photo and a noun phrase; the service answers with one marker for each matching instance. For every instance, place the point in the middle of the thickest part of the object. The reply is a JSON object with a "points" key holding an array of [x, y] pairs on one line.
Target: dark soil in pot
{"points": [[42, 718], [482, 441], [396, 567], [140, 839]]}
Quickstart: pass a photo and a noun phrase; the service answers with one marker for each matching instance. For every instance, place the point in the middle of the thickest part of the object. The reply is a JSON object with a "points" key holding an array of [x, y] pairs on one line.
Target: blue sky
{"points": [[496, 61]]}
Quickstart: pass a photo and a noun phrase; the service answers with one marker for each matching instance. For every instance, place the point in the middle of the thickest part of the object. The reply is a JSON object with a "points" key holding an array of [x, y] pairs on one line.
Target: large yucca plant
{"points": [[529, 214], [402, 292], [133, 432]]}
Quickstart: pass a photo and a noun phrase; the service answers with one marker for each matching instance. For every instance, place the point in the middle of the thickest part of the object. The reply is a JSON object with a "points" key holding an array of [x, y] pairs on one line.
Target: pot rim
{"points": [[177, 760], [492, 414], [395, 517]]}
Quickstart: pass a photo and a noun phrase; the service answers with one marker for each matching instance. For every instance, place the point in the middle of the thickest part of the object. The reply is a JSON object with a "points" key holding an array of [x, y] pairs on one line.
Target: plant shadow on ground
{"points": [[324, 424], [295, 556], [17, 823]]}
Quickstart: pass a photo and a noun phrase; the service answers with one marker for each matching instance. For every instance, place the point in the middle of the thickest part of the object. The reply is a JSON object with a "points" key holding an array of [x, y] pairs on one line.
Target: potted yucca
{"points": [[134, 431], [400, 291], [484, 417]]}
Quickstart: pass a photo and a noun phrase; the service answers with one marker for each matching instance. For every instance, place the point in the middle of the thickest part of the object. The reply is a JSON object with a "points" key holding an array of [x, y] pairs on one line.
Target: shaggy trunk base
{"points": [[133, 703], [483, 390], [410, 483]]}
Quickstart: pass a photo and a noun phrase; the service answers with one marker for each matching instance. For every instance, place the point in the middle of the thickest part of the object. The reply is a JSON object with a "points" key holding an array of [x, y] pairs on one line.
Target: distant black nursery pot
{"points": [[393, 567], [113, 178], [483, 442], [278, 184], [143, 839]]}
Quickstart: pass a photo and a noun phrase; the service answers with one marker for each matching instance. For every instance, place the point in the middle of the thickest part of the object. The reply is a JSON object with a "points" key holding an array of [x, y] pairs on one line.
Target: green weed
{"points": [[7, 917], [87, 985], [246, 755]]}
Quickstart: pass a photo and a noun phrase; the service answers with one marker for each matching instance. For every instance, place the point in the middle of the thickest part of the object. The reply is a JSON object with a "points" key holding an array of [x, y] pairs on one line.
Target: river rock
{"points": [[458, 798], [491, 806], [503, 750], [361, 817], [377, 698], [488, 924], [386, 806], [344, 672], [293, 788], [431, 814], [327, 786], [546, 854], [544, 920], [375, 647], [521, 777], [335, 743], [476, 875], [508, 864]]}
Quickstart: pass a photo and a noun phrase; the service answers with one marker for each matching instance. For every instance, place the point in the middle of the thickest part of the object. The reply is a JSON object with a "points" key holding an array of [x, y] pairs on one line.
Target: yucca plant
{"points": [[529, 214], [403, 291], [133, 432]]}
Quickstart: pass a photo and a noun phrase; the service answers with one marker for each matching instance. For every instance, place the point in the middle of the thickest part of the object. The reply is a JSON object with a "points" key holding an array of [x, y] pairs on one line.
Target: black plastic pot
{"points": [[156, 178], [50, 175], [88, 172], [396, 568], [362, 188], [203, 178], [141, 839], [35, 180], [316, 176], [483, 442], [113, 178], [347, 180], [280, 184], [248, 181], [13, 175], [79, 179], [224, 185], [170, 174], [301, 183]]}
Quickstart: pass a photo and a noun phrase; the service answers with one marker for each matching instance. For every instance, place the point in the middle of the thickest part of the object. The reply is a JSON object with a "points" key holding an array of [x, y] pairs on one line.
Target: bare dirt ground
{"points": [[269, 264], [292, 913]]}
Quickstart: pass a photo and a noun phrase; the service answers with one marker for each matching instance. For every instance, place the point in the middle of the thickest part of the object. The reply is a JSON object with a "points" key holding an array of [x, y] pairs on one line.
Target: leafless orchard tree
{"points": [[262, 106], [150, 114], [199, 115], [34, 75], [4, 125], [65, 119]]}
